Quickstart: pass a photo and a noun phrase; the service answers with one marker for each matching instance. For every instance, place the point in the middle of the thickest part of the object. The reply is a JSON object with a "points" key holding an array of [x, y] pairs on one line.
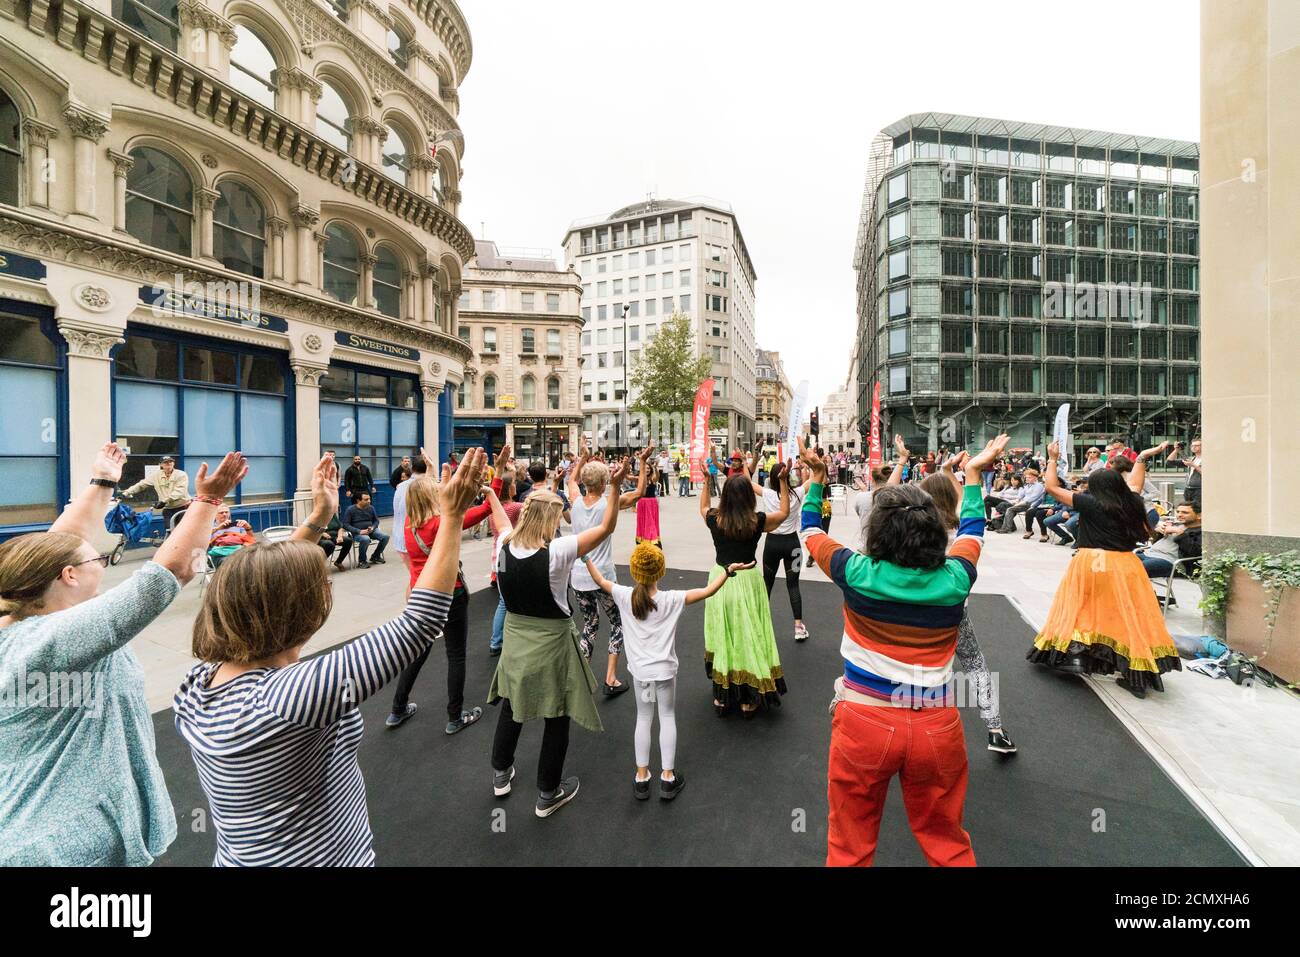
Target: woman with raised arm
{"points": [[1105, 617], [782, 546], [542, 671], [740, 655], [81, 785], [275, 737]]}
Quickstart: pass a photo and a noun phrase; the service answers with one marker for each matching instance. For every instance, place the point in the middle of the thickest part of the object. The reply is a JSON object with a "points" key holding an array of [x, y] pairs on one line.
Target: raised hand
{"points": [[616, 476], [1054, 450], [108, 463], [325, 485], [458, 491], [645, 453], [429, 463], [991, 452], [222, 482], [901, 447], [502, 459], [816, 467]]}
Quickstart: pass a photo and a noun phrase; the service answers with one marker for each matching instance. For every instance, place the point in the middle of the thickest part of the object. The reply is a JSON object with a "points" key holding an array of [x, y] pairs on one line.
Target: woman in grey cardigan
{"points": [[79, 781]]}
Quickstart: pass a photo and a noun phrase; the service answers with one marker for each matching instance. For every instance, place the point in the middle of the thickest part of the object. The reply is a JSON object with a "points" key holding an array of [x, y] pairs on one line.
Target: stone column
{"points": [[207, 199], [87, 130], [322, 241], [428, 290], [421, 180], [90, 383], [410, 294], [298, 94], [122, 165], [304, 220], [40, 170], [277, 227], [306, 394], [365, 298], [432, 379]]}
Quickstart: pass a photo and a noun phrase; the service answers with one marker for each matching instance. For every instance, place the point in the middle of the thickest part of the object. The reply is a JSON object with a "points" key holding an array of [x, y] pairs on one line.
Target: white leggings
{"points": [[648, 693]]}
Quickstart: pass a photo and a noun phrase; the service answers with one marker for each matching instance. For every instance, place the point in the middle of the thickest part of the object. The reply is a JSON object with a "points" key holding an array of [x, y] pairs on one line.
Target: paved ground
{"points": [[1231, 750]]}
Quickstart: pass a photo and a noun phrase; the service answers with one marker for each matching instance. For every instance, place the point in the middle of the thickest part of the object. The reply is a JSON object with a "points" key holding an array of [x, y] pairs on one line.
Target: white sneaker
{"points": [[800, 632]]}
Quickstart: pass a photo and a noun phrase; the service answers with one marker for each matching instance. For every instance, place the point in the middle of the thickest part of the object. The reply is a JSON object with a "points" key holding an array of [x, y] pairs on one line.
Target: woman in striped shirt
{"points": [[275, 738]]}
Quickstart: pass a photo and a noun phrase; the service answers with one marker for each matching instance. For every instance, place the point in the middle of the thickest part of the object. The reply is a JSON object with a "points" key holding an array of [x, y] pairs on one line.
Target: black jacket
{"points": [[358, 479]]}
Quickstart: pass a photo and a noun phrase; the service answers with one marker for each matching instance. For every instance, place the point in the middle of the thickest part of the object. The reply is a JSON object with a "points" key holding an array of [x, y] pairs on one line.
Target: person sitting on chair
{"points": [[170, 485], [228, 536], [361, 521], [1178, 539], [336, 536]]}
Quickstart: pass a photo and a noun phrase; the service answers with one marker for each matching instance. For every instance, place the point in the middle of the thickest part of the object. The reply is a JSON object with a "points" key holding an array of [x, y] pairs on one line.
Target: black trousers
{"points": [[555, 745], [990, 503], [787, 550], [454, 637]]}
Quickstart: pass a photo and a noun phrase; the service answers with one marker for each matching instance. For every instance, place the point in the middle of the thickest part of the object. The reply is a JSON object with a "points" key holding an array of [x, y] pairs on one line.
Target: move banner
{"points": [[700, 429], [877, 454], [1061, 435], [794, 422]]}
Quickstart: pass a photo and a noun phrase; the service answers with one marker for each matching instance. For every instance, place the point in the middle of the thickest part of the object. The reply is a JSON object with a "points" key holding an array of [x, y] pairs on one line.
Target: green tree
{"points": [[669, 371]]}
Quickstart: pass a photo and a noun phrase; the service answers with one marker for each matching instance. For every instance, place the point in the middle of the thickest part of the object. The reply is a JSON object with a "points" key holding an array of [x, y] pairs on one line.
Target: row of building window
{"points": [[651, 282], [1072, 301], [1038, 230], [1000, 339], [663, 229], [1084, 380], [637, 308], [527, 301], [527, 393], [527, 340], [653, 257]]}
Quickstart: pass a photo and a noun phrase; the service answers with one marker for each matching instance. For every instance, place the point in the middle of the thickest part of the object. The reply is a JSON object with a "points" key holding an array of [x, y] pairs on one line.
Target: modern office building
{"points": [[519, 313], [659, 257], [1005, 268], [224, 225], [772, 402]]}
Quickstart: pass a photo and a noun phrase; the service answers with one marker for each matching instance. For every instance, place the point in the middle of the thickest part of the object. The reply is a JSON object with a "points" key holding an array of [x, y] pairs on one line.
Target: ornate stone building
{"points": [[772, 402], [226, 224], [520, 314]]}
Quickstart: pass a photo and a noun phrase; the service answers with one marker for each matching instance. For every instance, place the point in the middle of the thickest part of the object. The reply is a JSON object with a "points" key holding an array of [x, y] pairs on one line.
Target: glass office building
{"points": [[1006, 268]]}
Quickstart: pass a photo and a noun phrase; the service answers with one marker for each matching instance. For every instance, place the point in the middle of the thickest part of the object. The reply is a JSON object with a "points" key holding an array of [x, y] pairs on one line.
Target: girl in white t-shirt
{"points": [[650, 640]]}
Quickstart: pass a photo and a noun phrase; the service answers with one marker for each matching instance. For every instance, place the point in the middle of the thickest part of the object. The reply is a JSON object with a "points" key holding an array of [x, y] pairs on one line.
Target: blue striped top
{"points": [[276, 748]]}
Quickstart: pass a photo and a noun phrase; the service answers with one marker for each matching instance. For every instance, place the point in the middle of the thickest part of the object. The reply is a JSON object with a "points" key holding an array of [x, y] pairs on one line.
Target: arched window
{"points": [[386, 284], [489, 392], [333, 118], [399, 38], [239, 229], [160, 201], [553, 393], [529, 393], [460, 395], [156, 19], [397, 160], [252, 66], [10, 149], [342, 264]]}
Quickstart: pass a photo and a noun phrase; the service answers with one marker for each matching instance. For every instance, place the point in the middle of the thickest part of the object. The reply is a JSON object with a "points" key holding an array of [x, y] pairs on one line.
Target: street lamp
{"points": [[627, 307]]}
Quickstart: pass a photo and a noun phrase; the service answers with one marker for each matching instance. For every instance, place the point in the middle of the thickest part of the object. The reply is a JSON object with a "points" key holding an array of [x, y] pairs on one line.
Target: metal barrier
{"points": [[260, 515]]}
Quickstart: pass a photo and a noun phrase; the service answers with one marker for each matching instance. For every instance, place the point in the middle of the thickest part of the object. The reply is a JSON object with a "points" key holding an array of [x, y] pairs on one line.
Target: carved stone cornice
{"points": [[305, 217], [88, 342], [322, 240], [277, 225], [31, 236], [195, 13], [447, 21], [38, 133], [422, 161], [85, 123], [207, 198], [368, 124], [122, 162], [369, 259]]}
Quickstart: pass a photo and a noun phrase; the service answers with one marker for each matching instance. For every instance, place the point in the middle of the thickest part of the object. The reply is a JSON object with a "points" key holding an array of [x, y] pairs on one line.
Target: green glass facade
{"points": [[1004, 269]]}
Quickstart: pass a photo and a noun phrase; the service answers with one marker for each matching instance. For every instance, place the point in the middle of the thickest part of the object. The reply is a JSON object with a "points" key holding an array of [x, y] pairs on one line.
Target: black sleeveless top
{"points": [[525, 584], [728, 551]]}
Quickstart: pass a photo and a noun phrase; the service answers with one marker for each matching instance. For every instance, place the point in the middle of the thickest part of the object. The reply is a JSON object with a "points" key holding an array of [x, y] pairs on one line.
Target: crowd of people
{"points": [[274, 736]]}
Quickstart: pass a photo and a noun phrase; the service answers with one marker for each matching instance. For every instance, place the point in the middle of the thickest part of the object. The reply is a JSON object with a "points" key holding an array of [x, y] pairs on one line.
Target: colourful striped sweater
{"points": [[900, 624]]}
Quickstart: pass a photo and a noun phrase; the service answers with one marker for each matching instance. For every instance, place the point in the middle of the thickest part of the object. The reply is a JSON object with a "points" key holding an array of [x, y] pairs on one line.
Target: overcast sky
{"points": [[575, 108]]}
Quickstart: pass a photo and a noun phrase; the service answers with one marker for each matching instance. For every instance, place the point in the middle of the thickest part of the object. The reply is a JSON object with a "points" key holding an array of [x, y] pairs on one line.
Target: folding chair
{"points": [[1190, 568], [278, 533], [840, 494]]}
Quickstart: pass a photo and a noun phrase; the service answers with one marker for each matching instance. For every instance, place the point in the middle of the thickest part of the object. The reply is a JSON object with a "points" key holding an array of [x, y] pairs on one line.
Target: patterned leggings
{"points": [[973, 666], [591, 603]]}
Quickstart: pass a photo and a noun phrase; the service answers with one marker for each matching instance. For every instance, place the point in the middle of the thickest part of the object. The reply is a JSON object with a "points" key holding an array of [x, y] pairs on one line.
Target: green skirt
{"points": [[543, 673], [740, 654]]}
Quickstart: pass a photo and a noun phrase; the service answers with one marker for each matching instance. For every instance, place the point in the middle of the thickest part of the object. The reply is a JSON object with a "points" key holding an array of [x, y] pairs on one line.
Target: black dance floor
{"points": [[1080, 792]]}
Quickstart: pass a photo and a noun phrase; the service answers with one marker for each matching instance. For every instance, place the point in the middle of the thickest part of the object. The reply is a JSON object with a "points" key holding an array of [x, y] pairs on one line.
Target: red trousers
{"points": [[927, 750]]}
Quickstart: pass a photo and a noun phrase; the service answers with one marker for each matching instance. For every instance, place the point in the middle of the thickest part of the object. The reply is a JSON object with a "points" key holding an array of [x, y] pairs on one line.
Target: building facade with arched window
{"points": [[519, 313], [227, 224]]}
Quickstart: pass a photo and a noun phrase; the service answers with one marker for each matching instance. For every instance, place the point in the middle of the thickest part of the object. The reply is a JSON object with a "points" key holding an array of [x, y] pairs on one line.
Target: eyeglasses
{"points": [[102, 559]]}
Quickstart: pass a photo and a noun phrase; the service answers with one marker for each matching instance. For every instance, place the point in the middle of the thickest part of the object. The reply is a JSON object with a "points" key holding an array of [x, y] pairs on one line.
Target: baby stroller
{"points": [[128, 524]]}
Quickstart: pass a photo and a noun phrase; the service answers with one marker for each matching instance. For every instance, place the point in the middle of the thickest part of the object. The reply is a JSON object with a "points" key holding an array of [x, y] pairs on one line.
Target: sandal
{"points": [[1027, 535], [1044, 539], [464, 721]]}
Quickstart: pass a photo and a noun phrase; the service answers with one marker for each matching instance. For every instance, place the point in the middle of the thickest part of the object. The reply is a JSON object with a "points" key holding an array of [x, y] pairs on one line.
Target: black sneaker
{"points": [[378, 560], [670, 789], [501, 781], [999, 742], [615, 690], [566, 792], [1132, 689], [641, 789], [494, 651], [363, 564], [464, 721]]}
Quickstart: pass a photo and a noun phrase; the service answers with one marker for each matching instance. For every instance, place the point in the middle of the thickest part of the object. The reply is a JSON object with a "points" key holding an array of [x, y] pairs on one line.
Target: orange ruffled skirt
{"points": [[1105, 614]]}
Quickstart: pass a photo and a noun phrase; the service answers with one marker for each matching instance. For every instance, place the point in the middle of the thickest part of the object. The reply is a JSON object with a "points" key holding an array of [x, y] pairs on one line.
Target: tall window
{"points": [[435, 180], [489, 392], [239, 229], [196, 402], [342, 277], [372, 414], [333, 118], [399, 39], [30, 376], [529, 396], [252, 67], [156, 19], [397, 159], [10, 150], [386, 283], [160, 201], [460, 395], [553, 393], [528, 341], [552, 342]]}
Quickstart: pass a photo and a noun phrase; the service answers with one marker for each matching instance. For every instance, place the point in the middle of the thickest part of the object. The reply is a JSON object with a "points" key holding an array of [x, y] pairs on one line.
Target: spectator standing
{"points": [[400, 474], [358, 481]]}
